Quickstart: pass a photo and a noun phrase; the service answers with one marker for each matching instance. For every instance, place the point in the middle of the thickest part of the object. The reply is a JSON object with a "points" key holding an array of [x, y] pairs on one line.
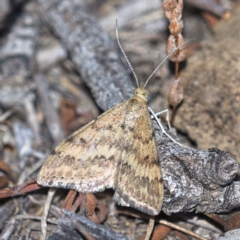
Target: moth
{"points": [[117, 150]]}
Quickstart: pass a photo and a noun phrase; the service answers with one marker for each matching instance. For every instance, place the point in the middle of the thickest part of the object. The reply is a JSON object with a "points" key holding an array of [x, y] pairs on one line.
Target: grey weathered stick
{"points": [[71, 224], [16, 54], [126, 14], [6, 211], [16, 63], [8, 229], [24, 142], [51, 116], [92, 50], [194, 179]]}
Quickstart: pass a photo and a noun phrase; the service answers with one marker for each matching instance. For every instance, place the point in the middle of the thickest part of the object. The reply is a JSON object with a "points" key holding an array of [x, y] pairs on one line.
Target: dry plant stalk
{"points": [[173, 11]]}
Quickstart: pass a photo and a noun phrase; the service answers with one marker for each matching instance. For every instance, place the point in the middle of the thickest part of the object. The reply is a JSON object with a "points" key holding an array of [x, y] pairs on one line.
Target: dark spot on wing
{"points": [[109, 127], [146, 158], [111, 158], [131, 129], [83, 141], [69, 160]]}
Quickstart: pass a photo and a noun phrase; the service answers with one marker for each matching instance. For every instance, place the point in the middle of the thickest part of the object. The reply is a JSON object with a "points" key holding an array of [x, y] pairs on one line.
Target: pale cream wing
{"points": [[139, 182], [87, 160]]}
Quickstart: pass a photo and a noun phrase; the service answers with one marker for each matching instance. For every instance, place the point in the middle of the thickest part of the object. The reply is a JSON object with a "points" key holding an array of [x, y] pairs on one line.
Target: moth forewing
{"points": [[139, 182], [87, 160]]}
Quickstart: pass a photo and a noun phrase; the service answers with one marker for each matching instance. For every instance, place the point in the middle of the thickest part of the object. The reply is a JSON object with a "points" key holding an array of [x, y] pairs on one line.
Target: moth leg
{"points": [[163, 130], [167, 117]]}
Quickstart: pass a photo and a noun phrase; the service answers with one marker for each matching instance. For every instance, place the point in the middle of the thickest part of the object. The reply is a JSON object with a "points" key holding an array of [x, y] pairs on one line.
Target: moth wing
{"points": [[87, 160], [139, 182]]}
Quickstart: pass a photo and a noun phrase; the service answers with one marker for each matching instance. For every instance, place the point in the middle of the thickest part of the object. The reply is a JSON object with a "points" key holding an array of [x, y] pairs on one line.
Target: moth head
{"points": [[142, 93]]}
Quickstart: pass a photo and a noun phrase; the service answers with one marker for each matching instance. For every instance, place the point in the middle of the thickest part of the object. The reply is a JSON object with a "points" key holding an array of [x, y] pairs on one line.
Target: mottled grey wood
{"points": [[197, 180], [71, 225], [6, 211], [17, 52], [91, 49], [231, 235], [24, 139], [51, 116]]}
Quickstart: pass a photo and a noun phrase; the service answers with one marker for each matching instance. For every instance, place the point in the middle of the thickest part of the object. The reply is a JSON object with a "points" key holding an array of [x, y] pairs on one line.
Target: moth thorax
{"points": [[141, 93]]}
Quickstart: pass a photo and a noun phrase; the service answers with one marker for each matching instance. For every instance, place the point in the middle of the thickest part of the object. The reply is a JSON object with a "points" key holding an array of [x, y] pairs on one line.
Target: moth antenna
{"points": [[164, 60], [125, 56]]}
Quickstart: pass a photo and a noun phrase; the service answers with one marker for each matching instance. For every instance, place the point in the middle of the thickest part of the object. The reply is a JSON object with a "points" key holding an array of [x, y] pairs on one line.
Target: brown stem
{"points": [[173, 115], [176, 69]]}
